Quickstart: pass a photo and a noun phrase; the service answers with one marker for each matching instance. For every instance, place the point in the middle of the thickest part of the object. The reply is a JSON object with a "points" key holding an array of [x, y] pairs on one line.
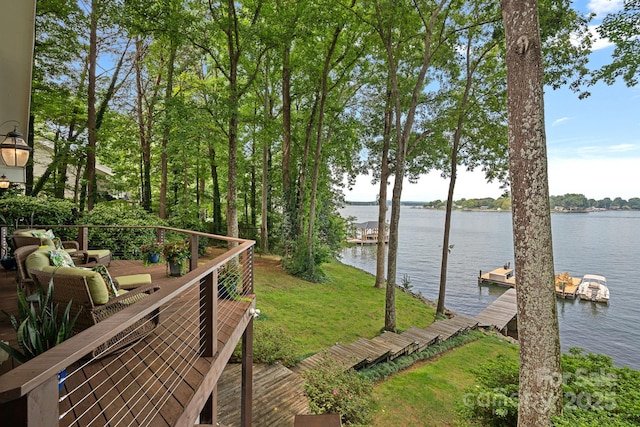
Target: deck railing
{"points": [[176, 365]]}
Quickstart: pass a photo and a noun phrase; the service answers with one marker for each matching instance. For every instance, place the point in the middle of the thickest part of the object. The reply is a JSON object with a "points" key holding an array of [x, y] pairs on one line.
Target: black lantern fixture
{"points": [[14, 151], [4, 182]]}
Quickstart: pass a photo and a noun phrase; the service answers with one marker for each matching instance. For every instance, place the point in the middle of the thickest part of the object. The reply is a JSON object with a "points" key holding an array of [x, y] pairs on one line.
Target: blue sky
{"points": [[593, 145]]}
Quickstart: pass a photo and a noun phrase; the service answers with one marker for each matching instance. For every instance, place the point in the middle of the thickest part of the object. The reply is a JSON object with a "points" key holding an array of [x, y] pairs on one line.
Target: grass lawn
{"points": [[343, 309], [429, 393]]}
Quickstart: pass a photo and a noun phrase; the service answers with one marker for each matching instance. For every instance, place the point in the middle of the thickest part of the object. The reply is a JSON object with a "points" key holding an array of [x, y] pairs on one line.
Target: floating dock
{"points": [[500, 276], [566, 286]]}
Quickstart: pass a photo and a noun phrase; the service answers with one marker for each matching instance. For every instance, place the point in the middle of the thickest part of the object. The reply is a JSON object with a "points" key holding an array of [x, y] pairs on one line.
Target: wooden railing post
{"points": [[246, 399], [83, 238], [160, 235], [193, 263], [38, 408], [209, 314], [3, 240]]}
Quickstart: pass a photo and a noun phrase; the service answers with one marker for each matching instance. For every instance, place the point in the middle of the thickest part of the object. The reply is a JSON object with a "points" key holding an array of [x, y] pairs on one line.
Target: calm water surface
{"points": [[605, 243]]}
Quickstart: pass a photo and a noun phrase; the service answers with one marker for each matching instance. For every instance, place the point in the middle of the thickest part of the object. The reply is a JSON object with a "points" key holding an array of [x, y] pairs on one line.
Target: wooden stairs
{"points": [[365, 353]]}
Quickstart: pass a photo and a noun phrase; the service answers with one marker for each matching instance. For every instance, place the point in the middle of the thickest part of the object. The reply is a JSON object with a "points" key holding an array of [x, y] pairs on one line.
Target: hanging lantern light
{"points": [[14, 151], [4, 182]]}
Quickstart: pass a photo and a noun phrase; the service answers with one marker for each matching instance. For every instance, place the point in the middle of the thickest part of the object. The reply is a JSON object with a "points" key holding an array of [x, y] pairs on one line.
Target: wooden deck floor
{"points": [[154, 379], [499, 313]]}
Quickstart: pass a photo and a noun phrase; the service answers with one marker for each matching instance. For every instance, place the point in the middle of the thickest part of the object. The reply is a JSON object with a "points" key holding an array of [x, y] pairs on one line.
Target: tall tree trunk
{"points": [[403, 133], [264, 212], [540, 393], [168, 94], [144, 131], [91, 111], [145, 142], [382, 196], [318, 152], [217, 203], [298, 230], [447, 230], [287, 191], [254, 196]]}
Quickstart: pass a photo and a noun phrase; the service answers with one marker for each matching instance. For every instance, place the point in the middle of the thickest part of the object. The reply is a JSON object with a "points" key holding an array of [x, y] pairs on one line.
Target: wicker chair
{"points": [[22, 237], [24, 281], [75, 288]]}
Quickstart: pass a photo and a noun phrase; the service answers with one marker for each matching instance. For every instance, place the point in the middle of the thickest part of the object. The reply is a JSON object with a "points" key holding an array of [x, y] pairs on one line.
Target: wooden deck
{"points": [[505, 278], [566, 286], [500, 276], [153, 382], [499, 313]]}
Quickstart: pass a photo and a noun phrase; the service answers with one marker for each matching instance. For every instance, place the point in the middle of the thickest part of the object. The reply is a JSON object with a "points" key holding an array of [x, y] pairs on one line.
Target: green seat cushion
{"points": [[98, 253], [95, 282], [38, 259], [133, 280]]}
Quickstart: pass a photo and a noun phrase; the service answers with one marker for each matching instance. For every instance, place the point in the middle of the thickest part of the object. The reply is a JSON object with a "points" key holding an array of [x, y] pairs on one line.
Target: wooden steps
{"points": [[365, 353], [398, 345], [278, 396], [424, 337]]}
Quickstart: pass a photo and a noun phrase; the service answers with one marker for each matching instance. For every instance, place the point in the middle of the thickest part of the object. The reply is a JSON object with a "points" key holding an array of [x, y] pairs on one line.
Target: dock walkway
{"points": [[499, 313]]}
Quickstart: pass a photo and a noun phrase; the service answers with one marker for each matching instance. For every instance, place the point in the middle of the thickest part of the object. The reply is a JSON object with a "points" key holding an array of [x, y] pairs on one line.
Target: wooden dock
{"points": [[500, 276], [501, 314], [566, 286]]}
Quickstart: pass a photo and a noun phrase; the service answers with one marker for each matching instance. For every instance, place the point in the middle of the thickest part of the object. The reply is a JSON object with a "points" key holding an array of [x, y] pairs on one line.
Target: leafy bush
{"points": [[28, 211], [271, 344], [332, 390], [494, 400], [301, 264], [122, 242], [595, 392]]}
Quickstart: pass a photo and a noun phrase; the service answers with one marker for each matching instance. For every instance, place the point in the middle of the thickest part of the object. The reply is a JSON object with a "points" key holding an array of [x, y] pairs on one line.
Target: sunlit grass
{"points": [[429, 393], [343, 309]]}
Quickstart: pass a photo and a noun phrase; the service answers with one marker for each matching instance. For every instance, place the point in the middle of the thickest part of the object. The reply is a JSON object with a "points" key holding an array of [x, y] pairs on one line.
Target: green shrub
{"points": [[331, 390], [271, 344], [122, 242], [494, 399], [27, 211], [595, 392]]}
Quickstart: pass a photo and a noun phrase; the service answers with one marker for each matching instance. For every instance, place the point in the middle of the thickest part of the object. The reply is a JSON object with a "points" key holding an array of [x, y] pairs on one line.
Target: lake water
{"points": [[605, 243]]}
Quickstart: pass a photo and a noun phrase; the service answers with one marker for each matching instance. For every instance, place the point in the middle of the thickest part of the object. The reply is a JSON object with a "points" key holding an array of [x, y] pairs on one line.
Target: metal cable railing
{"points": [[134, 385]]}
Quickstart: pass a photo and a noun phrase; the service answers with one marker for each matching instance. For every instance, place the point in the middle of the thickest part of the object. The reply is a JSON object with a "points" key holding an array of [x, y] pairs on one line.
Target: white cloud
{"points": [[560, 121], [597, 41], [622, 147], [602, 7], [595, 178]]}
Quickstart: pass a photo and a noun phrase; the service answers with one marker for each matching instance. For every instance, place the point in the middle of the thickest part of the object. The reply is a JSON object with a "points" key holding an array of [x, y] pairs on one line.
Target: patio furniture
{"points": [[39, 237], [26, 237], [20, 254], [88, 295], [132, 281]]}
